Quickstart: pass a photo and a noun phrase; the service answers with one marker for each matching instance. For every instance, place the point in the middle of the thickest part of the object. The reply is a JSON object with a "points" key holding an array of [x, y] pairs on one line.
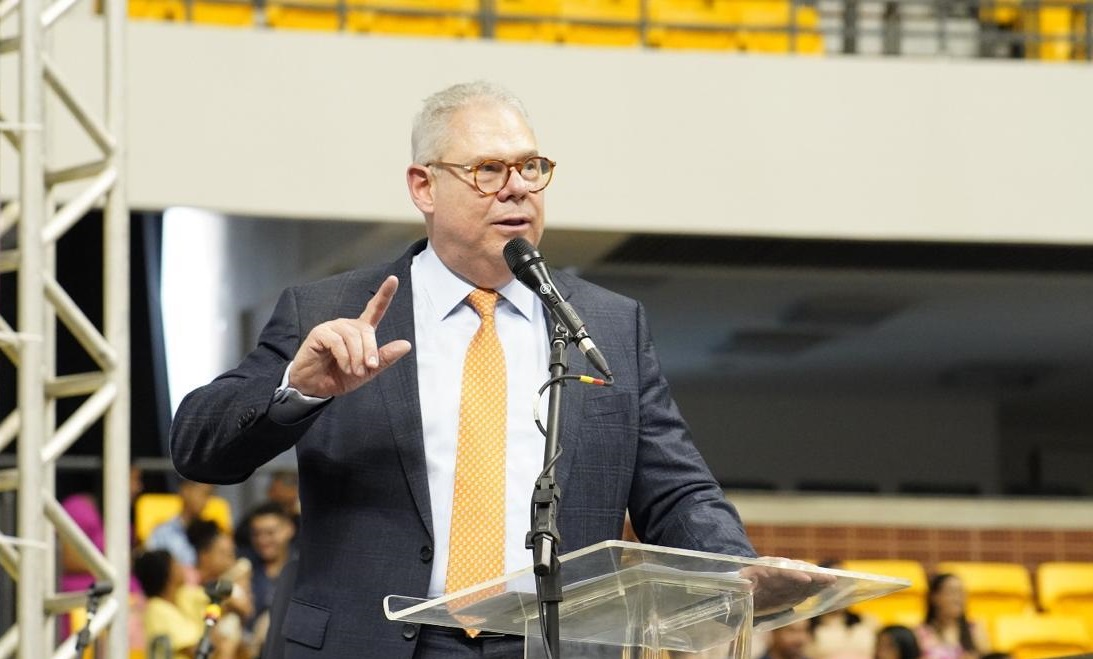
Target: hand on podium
{"points": [[777, 589]]}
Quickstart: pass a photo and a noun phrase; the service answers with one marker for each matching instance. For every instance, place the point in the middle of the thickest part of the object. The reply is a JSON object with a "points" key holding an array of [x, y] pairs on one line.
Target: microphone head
{"points": [[100, 588], [218, 590], [519, 254]]}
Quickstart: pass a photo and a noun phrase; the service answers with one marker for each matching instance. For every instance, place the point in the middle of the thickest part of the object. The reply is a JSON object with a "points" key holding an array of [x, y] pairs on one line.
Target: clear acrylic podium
{"points": [[633, 601]]}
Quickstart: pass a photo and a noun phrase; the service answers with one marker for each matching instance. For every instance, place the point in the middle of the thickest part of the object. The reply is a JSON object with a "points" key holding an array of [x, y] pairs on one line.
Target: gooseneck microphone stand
{"points": [[94, 594], [543, 539]]}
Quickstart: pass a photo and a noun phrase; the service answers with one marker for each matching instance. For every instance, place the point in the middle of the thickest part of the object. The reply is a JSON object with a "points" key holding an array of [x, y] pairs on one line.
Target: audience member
{"points": [[947, 633], [162, 577], [216, 560], [171, 535], [83, 508], [283, 490], [271, 532], [841, 634], [789, 642], [896, 642]]}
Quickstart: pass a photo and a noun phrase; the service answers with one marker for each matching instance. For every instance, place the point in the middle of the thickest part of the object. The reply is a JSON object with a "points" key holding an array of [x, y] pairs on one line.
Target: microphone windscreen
{"points": [[518, 252], [219, 589]]}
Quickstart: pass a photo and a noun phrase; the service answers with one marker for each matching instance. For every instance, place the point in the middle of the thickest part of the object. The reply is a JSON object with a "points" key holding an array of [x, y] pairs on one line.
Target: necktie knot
{"points": [[483, 300]]}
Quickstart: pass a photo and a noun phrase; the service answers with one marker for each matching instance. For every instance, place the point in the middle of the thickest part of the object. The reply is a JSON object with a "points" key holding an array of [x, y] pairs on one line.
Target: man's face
{"points": [[469, 229], [194, 497], [789, 642], [270, 536], [285, 491]]}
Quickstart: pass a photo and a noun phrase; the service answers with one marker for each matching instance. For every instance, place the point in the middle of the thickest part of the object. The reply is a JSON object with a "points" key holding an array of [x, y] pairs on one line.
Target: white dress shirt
{"points": [[444, 323]]}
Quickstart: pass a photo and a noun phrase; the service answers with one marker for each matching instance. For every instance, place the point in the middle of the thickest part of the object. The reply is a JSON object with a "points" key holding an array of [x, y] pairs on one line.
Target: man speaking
{"points": [[404, 388]]}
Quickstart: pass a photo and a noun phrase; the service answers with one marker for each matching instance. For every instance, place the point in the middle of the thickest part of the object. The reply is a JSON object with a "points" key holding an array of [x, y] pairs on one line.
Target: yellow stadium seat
{"points": [[1081, 48], [1050, 28], [527, 20], [154, 508], [992, 589], [776, 14], [158, 10], [601, 22], [999, 12], [321, 15], [904, 607], [1040, 636], [1066, 589], [223, 12], [420, 18], [700, 24]]}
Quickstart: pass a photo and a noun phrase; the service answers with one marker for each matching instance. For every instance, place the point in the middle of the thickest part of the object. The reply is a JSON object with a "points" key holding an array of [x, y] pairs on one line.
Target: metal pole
{"points": [[850, 27], [30, 597], [116, 327]]}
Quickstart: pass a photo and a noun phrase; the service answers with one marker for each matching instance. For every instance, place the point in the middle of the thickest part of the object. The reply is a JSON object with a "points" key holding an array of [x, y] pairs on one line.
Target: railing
{"points": [[1058, 30]]}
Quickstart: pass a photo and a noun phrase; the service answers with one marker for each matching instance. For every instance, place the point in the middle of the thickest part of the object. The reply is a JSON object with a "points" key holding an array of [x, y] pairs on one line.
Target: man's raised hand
{"points": [[340, 355]]}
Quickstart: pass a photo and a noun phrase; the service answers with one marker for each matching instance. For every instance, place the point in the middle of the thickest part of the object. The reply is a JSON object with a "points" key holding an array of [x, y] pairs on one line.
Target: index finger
{"points": [[377, 306]]}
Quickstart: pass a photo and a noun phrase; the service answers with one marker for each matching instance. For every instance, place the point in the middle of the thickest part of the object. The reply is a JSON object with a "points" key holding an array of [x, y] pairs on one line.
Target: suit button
{"points": [[247, 417], [426, 554], [409, 632]]}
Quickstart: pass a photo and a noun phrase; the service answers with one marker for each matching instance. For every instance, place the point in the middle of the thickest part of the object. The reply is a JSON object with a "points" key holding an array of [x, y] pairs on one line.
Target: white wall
{"points": [[316, 126]]}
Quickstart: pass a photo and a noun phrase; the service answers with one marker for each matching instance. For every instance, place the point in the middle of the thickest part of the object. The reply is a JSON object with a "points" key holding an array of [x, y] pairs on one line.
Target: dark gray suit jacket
{"points": [[366, 527]]}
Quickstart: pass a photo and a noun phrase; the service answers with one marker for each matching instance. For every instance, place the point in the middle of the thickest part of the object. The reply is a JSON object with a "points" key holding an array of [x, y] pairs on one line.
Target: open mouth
{"points": [[513, 222]]}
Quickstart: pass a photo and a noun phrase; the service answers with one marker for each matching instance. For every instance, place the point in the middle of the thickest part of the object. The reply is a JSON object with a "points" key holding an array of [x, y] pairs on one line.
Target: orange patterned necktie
{"points": [[477, 542]]}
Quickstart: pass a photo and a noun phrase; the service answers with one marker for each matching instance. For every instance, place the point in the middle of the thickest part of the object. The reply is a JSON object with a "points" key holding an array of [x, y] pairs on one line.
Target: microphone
{"points": [[97, 590], [528, 266], [100, 588], [218, 590]]}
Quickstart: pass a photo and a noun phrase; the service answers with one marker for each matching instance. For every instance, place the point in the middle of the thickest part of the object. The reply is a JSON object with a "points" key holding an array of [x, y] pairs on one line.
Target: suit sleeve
{"points": [[222, 431], [675, 500]]}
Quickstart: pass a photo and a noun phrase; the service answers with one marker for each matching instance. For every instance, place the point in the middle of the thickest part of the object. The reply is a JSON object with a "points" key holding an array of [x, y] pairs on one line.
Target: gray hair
{"points": [[429, 136]]}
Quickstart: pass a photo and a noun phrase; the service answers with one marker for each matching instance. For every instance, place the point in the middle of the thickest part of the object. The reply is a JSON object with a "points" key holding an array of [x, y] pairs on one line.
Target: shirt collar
{"points": [[448, 290]]}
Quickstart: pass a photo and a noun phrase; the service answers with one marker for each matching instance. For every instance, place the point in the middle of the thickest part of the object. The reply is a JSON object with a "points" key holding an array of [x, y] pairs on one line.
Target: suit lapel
{"points": [[399, 387]]}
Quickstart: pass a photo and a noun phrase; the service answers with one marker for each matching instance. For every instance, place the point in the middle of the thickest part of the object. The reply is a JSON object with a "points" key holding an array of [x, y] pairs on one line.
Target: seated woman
{"points": [[947, 633]]}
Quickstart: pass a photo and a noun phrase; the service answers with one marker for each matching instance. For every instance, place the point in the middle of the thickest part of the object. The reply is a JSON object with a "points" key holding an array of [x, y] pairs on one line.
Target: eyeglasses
{"points": [[491, 176]]}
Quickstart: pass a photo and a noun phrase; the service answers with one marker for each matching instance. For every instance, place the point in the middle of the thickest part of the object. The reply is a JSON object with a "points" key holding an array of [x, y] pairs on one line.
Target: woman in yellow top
{"points": [[162, 578]]}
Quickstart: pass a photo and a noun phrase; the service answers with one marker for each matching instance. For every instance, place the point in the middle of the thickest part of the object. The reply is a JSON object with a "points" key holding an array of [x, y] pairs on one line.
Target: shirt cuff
{"points": [[289, 405]]}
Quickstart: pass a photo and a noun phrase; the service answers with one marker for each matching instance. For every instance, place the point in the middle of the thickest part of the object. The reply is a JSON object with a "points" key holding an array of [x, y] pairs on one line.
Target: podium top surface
{"points": [[607, 586]]}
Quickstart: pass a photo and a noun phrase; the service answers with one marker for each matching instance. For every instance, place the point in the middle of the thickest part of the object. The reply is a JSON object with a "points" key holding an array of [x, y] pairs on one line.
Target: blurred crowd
{"points": [[190, 558]]}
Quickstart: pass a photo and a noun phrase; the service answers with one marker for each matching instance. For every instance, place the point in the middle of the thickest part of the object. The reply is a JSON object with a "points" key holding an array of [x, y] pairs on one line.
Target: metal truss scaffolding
{"points": [[31, 223]]}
